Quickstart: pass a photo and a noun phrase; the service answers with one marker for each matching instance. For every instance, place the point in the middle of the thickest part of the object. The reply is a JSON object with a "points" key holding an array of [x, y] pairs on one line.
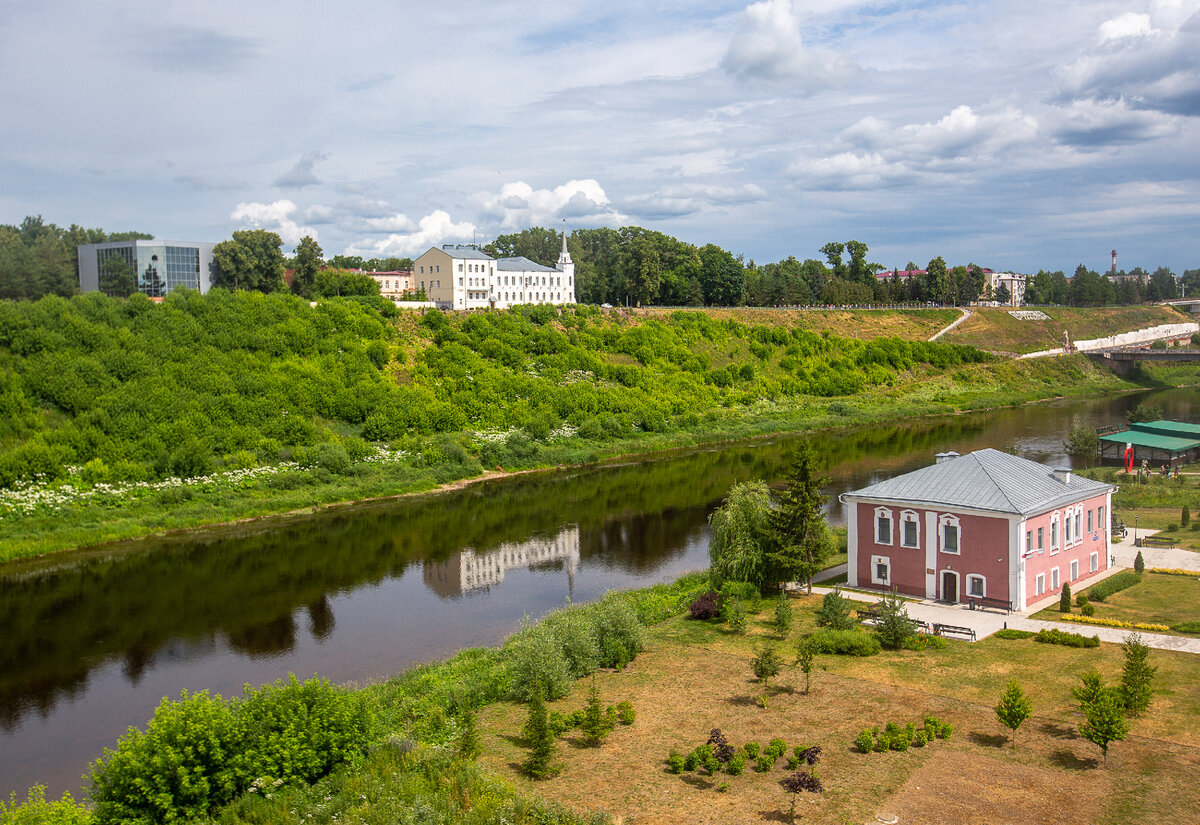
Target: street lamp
{"points": [[1135, 536]]}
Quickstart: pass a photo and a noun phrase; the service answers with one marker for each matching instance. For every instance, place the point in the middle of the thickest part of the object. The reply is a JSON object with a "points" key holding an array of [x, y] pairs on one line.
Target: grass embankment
{"points": [[918, 393], [696, 676], [909, 324], [995, 330]]}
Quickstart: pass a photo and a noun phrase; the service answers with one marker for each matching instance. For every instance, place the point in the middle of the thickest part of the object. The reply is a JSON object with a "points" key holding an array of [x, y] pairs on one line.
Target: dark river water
{"points": [[93, 641]]}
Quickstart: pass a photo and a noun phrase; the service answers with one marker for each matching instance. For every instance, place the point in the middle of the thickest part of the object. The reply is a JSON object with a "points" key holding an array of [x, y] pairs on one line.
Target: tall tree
{"points": [[938, 284], [307, 263], [721, 277], [1136, 674], [858, 269], [1104, 720], [253, 259], [833, 253], [740, 534], [799, 545], [536, 243]]}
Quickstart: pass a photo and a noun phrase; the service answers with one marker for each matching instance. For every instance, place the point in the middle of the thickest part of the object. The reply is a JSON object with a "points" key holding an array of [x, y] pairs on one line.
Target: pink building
{"points": [[988, 526]]}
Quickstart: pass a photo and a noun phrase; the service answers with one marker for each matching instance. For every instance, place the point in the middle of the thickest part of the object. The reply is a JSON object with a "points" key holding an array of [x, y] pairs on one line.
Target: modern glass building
{"points": [[155, 268]]}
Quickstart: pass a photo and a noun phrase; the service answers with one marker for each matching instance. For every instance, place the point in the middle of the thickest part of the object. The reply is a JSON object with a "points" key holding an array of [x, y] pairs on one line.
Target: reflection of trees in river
{"points": [[248, 584]]}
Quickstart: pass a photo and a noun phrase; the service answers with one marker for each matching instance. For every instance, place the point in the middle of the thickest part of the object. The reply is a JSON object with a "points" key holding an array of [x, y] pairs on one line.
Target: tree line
{"points": [[630, 265]]}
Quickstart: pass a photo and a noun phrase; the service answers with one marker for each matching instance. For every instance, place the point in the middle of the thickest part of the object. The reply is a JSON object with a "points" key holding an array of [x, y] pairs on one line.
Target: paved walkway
{"points": [[987, 622], [966, 313]]}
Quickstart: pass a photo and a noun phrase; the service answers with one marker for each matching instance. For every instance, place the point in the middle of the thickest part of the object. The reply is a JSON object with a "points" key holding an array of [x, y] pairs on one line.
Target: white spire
{"points": [[565, 256]]}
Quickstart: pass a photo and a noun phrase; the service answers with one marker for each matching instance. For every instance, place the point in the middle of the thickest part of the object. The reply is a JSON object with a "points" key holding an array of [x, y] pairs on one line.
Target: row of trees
{"points": [[39, 258]]}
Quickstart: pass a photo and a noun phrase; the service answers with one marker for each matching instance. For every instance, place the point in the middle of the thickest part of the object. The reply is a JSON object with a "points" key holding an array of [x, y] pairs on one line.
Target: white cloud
{"points": [[518, 205], [768, 46], [1085, 123], [433, 229], [393, 223], [1129, 24], [276, 217]]}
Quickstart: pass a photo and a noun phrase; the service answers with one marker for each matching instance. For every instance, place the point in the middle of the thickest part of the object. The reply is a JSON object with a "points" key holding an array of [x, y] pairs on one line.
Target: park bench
{"points": [[1155, 541], [953, 630], [999, 604], [867, 614]]}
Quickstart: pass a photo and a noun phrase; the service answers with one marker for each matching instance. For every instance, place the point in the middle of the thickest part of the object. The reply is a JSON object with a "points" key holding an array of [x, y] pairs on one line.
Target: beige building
{"points": [[393, 284], [460, 276]]}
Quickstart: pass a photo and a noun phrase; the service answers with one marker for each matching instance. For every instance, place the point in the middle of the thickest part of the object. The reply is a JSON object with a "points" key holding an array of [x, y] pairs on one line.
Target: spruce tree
{"points": [[1137, 674], [1139, 564], [595, 726], [1064, 599], [799, 543], [1014, 708], [834, 611], [894, 627], [542, 748]]}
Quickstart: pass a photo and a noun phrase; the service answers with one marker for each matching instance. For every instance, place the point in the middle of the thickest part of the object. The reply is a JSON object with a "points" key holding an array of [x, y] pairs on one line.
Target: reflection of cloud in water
{"points": [[469, 570]]}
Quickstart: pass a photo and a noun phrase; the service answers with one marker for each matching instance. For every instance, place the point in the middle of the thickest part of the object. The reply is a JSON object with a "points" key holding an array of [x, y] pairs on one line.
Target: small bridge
{"points": [[1191, 305], [1121, 361]]}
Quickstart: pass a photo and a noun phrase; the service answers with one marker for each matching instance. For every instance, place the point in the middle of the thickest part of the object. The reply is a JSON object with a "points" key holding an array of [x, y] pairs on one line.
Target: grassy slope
{"points": [[922, 391], [911, 325], [997, 331]]}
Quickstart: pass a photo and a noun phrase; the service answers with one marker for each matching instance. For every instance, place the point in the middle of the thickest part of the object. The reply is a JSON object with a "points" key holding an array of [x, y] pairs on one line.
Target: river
{"points": [[94, 640]]}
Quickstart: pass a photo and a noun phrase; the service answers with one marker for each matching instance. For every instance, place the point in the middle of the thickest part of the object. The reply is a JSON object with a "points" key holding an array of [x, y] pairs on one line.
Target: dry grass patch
{"points": [[695, 676], [997, 331], [909, 324]]}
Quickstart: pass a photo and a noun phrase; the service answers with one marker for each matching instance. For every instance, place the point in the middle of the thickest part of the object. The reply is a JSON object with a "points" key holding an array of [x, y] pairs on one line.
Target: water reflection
{"points": [[92, 641], [469, 570]]}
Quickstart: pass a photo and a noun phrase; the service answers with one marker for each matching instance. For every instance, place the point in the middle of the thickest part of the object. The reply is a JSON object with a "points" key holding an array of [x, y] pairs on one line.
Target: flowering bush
{"points": [[1096, 620]]}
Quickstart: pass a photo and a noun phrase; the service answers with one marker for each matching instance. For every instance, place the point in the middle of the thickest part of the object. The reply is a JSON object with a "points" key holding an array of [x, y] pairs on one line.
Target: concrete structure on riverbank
{"points": [[987, 527]]}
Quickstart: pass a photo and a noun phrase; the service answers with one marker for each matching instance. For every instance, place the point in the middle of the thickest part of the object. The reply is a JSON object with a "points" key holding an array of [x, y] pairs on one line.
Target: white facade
{"points": [[394, 284], [460, 276], [1014, 282]]}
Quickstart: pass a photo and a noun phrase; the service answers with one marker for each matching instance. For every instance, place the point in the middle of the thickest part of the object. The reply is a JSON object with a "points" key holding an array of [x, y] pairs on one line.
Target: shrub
{"points": [[595, 726], [37, 810], [707, 606], [1054, 636], [719, 745], [776, 748], [1088, 610], [1013, 633], [535, 659], [865, 741], [1139, 564], [619, 632], [834, 611], [752, 749], [1064, 598], [1186, 627], [782, 621], [845, 642], [1081, 599], [468, 736], [924, 641], [712, 764], [575, 633], [746, 591], [894, 627], [675, 761], [692, 760], [331, 457], [947, 730], [735, 765], [559, 723], [1113, 584], [1185, 516], [764, 763], [735, 615], [626, 713]]}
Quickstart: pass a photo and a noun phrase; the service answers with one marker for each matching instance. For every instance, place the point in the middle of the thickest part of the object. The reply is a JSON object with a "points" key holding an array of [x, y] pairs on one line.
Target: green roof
{"points": [[1157, 442], [1178, 429]]}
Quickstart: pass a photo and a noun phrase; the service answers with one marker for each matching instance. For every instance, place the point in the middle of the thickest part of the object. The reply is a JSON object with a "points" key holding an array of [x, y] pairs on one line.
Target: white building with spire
{"points": [[461, 276]]}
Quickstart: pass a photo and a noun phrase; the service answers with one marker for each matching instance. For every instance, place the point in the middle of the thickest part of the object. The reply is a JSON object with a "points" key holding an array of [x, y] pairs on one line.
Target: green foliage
{"points": [[200, 752], [468, 735], [1013, 708], [736, 765], [1185, 516], [893, 627], [542, 747], [1064, 598], [595, 726], [764, 763], [1053, 636], [799, 541], [776, 748], [1013, 633], [536, 660], [1139, 567], [766, 664], [252, 259], [625, 713], [752, 749], [896, 738], [735, 615], [1137, 674], [1104, 720], [1088, 609], [675, 761], [835, 610], [1083, 443], [1113, 584], [37, 810], [805, 657], [740, 534], [845, 642]]}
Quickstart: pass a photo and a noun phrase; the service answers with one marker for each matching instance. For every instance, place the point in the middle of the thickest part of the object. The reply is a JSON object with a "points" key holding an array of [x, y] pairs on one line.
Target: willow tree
{"points": [[740, 534]]}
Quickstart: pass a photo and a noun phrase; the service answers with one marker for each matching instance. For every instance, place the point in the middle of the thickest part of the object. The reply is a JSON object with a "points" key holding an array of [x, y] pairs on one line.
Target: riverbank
{"points": [[690, 677], [444, 463]]}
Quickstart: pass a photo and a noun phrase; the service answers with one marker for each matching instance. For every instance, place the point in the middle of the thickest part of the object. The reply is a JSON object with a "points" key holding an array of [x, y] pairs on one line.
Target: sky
{"points": [[1015, 134]]}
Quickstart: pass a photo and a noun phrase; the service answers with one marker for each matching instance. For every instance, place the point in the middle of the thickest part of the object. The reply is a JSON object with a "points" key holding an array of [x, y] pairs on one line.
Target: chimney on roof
{"points": [[942, 458], [1063, 474]]}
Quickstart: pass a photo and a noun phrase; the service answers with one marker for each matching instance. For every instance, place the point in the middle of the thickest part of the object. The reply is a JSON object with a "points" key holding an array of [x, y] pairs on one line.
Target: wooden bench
{"points": [[999, 604], [953, 630], [1155, 541], [867, 614]]}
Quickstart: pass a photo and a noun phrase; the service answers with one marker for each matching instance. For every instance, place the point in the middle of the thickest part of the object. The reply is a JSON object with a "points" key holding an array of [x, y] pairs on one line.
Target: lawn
{"points": [[695, 676], [1158, 599]]}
